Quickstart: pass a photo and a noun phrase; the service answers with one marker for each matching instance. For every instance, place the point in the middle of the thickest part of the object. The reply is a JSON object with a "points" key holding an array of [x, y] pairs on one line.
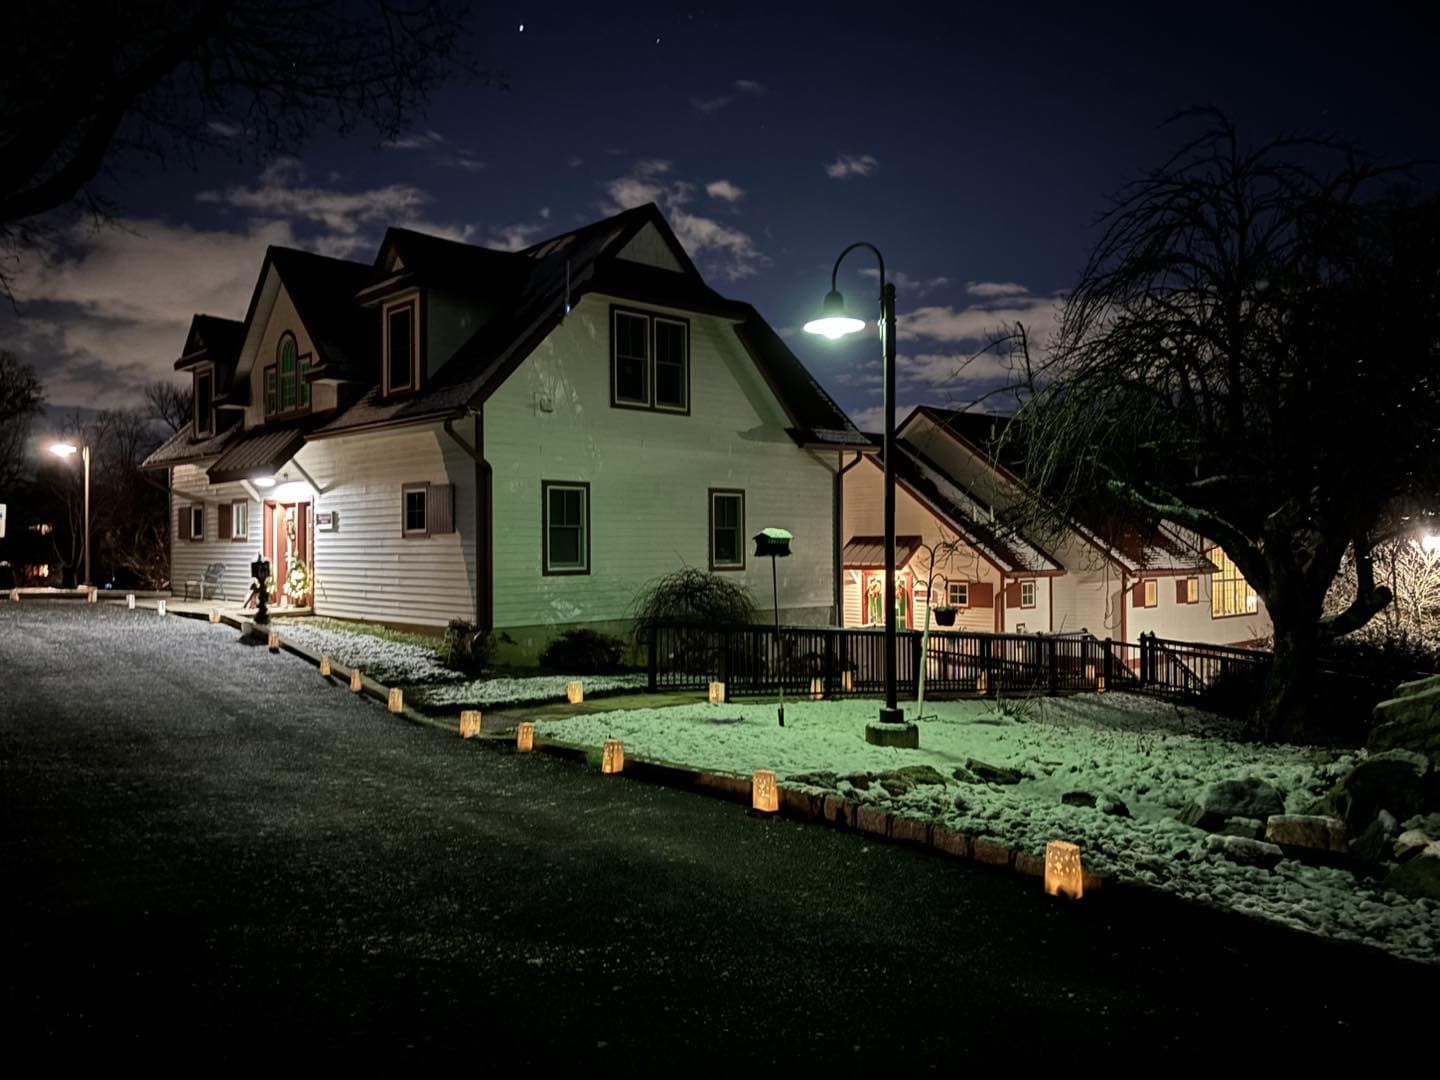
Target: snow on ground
{"points": [[524, 691], [1153, 756], [390, 662]]}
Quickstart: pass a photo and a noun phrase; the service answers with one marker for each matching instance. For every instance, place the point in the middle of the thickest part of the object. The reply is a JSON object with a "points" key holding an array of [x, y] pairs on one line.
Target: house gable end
{"points": [[650, 247]]}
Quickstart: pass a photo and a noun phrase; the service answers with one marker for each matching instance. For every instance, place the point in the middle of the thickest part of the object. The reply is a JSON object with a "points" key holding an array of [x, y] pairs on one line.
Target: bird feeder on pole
{"points": [[776, 544]]}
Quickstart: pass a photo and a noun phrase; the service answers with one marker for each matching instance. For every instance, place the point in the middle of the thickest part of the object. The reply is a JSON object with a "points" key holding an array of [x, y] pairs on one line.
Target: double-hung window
{"points": [[1027, 594], [957, 593], [402, 346], [239, 519], [727, 529], [565, 530], [205, 403], [649, 361], [415, 509]]}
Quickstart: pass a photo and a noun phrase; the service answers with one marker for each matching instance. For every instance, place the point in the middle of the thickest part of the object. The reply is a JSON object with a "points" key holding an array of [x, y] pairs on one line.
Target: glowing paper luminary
{"points": [[982, 683], [817, 688], [325, 666], [1100, 685], [717, 693], [160, 607], [1063, 876], [214, 615], [764, 795], [274, 642], [129, 600], [92, 594], [525, 737], [397, 699], [1090, 673], [847, 681], [612, 757], [469, 723], [355, 682], [15, 597], [575, 692]]}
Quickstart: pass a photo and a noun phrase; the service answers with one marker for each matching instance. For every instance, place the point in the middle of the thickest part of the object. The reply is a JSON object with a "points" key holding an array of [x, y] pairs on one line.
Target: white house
{"points": [[1112, 581], [522, 439]]}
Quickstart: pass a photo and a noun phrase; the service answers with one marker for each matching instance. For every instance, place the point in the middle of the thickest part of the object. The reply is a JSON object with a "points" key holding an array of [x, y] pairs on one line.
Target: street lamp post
{"points": [[835, 322], [67, 450]]}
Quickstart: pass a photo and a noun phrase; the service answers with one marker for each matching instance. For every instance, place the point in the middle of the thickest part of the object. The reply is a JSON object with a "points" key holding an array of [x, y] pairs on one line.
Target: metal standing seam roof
{"points": [[868, 552], [181, 448], [256, 452]]}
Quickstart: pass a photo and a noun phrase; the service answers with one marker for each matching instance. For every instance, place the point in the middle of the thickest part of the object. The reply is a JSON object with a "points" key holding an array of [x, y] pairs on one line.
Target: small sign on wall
{"points": [[2, 521], [327, 520]]}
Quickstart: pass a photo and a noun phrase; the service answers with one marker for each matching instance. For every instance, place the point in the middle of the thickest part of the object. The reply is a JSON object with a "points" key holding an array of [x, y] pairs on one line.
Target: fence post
{"points": [[1108, 681], [985, 654], [831, 683], [1147, 659], [916, 639], [725, 658], [651, 665], [1050, 648]]}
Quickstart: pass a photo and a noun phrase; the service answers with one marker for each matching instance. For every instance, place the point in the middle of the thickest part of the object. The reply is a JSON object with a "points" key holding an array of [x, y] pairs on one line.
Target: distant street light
{"points": [[835, 322], [1430, 542], [69, 450]]}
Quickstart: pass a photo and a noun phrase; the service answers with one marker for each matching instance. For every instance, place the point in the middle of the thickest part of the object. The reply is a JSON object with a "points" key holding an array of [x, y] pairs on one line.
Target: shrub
{"points": [[583, 652], [466, 647], [694, 598]]}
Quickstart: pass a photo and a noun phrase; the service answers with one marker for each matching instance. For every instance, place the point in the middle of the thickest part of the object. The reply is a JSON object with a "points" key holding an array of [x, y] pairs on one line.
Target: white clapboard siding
{"points": [[365, 568], [649, 475], [189, 558]]}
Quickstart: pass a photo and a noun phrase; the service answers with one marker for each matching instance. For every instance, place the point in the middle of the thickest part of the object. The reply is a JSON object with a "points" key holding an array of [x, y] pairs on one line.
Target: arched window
{"points": [[288, 370]]}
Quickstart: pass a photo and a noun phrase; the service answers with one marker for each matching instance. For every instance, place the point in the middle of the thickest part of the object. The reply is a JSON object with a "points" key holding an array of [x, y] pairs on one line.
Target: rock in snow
{"points": [[1418, 878], [1113, 806], [1249, 827], [1410, 720], [1410, 844], [993, 774], [1318, 834], [1393, 780], [1078, 798], [1246, 852], [1225, 799]]}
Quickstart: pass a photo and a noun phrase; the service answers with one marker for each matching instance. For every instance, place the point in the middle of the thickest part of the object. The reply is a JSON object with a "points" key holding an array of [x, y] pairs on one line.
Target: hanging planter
{"points": [[944, 616]]}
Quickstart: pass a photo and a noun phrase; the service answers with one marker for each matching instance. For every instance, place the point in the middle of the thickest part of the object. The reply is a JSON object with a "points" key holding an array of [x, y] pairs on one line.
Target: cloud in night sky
{"points": [[722, 248], [724, 189], [989, 289], [442, 151], [848, 165], [740, 87]]}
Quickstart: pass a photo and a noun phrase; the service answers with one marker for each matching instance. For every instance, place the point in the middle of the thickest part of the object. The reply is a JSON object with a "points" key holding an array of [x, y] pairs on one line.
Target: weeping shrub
{"points": [[583, 652], [698, 602], [466, 647]]}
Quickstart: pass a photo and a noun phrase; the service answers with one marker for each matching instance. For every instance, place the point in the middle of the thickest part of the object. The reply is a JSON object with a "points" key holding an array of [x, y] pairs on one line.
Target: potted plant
{"points": [[945, 615]]}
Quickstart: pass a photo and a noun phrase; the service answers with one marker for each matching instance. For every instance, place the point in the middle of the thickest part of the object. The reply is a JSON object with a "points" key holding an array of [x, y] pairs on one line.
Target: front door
{"points": [[287, 543], [874, 591]]}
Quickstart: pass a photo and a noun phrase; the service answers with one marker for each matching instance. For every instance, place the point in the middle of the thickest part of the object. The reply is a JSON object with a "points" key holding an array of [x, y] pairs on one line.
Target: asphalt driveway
{"points": [[206, 848]]}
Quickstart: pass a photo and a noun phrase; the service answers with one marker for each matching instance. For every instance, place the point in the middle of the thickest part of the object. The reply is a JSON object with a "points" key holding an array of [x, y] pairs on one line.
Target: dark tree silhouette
{"points": [[21, 397], [169, 404], [84, 85], [1251, 352]]}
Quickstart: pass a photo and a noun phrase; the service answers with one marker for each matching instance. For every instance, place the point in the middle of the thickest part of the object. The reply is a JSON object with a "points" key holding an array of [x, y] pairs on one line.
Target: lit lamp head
{"points": [[64, 449], [835, 322], [1430, 543], [264, 481]]}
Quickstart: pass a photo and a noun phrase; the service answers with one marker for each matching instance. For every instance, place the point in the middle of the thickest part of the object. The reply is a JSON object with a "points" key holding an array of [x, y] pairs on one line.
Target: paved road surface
{"points": [[204, 847]]}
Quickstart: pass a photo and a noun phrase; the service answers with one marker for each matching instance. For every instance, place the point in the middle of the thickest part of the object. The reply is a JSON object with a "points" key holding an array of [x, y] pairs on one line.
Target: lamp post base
{"points": [[902, 735]]}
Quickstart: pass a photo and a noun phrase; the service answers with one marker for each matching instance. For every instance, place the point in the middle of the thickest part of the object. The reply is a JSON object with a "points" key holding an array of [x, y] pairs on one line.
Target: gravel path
{"points": [[206, 849]]}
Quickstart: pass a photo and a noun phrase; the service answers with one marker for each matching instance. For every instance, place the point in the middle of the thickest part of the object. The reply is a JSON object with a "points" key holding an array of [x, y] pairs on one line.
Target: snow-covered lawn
{"points": [[1152, 757], [528, 690]]}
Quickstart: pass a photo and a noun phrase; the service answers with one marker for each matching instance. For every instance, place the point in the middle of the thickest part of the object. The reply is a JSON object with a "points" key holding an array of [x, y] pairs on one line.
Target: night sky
{"points": [[973, 143]]}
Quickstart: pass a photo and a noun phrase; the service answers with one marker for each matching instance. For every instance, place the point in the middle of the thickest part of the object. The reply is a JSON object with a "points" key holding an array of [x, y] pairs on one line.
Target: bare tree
{"points": [[1251, 353], [85, 86], [21, 397], [169, 404], [938, 557]]}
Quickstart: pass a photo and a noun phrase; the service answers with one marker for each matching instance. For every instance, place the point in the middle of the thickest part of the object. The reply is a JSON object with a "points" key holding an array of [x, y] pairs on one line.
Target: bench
{"points": [[213, 579]]}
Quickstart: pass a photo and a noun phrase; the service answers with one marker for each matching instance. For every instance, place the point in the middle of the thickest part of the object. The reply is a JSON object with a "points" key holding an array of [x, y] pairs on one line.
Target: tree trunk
{"points": [[1285, 711]]}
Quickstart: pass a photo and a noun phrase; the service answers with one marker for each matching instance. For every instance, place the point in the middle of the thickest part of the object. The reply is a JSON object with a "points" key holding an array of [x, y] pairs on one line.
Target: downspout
{"points": [[838, 537], [484, 545]]}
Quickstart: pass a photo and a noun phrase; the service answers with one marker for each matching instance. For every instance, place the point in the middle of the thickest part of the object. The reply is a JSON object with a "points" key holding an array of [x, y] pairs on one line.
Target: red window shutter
{"points": [[222, 520], [1012, 595], [185, 522], [982, 594], [442, 508], [1137, 595]]}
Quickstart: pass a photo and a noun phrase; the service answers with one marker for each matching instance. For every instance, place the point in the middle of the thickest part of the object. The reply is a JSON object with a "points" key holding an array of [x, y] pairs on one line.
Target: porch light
{"points": [[397, 700], [764, 795], [1063, 876], [612, 756], [575, 692], [525, 736], [835, 322], [469, 723], [717, 693], [264, 481]]}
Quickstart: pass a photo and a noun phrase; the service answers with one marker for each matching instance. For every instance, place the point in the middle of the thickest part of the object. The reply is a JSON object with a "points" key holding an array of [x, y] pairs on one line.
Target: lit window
{"points": [[1192, 590], [958, 593], [727, 530], [415, 499], [1027, 594], [1230, 593], [566, 528], [239, 519], [649, 361], [1152, 593], [400, 347]]}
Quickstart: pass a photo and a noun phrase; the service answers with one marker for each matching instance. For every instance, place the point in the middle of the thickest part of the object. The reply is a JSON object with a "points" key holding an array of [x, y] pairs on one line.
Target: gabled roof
{"points": [[435, 262], [181, 449], [548, 279], [212, 339], [323, 291], [868, 552]]}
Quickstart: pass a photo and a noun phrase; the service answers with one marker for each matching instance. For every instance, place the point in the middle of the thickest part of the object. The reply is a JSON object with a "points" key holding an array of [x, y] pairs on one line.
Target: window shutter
{"points": [[1012, 595], [1182, 590], [222, 520], [442, 508], [185, 522], [982, 594], [1137, 594]]}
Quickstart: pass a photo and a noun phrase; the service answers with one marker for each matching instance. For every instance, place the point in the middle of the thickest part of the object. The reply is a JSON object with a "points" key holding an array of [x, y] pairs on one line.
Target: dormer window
{"points": [[204, 403], [287, 388], [402, 345]]}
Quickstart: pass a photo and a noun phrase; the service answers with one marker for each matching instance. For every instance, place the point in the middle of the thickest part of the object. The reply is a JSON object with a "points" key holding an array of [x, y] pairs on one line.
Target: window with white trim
{"points": [[402, 345], [565, 530], [1027, 594], [415, 509], [649, 361], [197, 523], [239, 519], [957, 593]]}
